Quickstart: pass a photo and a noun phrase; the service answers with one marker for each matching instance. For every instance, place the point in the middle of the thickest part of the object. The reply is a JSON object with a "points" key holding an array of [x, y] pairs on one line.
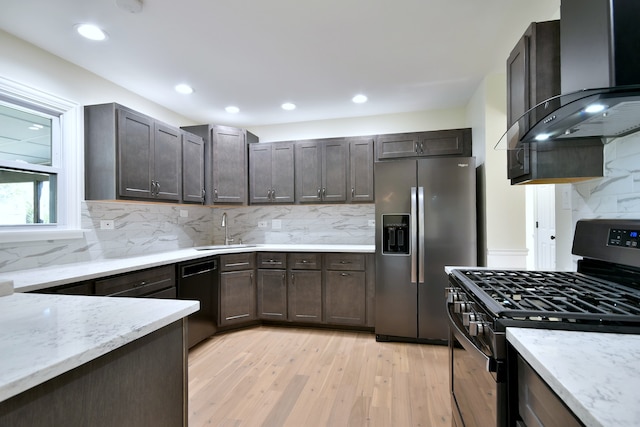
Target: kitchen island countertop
{"points": [[44, 336], [595, 374], [46, 277]]}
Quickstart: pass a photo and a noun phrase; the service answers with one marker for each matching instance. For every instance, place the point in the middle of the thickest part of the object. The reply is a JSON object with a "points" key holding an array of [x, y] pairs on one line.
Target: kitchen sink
{"points": [[220, 247]]}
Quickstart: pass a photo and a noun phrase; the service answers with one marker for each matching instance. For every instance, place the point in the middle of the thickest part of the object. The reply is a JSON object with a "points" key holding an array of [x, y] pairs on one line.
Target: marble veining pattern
{"points": [[617, 194], [146, 228], [43, 336], [595, 374]]}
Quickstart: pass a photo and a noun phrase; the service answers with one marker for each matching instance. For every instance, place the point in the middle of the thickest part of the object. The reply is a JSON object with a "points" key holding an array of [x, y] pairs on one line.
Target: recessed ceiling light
{"points": [[288, 106], [232, 109], [184, 89], [359, 99], [91, 32]]}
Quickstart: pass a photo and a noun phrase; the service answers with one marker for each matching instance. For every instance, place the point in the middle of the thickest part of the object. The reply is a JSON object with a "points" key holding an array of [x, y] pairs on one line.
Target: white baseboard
{"points": [[507, 258]]}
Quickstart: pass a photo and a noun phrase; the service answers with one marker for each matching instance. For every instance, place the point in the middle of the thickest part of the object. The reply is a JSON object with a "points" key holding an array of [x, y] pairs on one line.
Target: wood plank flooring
{"points": [[280, 376]]}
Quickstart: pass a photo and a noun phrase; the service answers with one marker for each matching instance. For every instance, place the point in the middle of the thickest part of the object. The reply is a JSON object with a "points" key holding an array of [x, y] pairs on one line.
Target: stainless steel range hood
{"points": [[599, 42]]}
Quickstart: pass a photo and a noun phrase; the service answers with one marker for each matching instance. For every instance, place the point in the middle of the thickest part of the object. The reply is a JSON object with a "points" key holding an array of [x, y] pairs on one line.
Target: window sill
{"points": [[13, 236]]}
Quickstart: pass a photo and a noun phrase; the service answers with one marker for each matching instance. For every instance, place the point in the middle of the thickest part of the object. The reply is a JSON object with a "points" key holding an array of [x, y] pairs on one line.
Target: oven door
{"points": [[478, 393]]}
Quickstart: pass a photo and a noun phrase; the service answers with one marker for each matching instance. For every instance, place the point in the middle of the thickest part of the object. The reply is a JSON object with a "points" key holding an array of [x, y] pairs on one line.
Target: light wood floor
{"points": [[278, 376]]}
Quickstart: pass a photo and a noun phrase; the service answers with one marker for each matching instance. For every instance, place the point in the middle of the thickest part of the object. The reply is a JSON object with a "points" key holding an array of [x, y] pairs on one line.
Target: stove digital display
{"points": [[624, 238]]}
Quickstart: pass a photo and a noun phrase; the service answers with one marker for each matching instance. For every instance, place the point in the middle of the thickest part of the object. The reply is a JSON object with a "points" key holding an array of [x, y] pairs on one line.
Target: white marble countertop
{"points": [[43, 336], [596, 375], [41, 278]]}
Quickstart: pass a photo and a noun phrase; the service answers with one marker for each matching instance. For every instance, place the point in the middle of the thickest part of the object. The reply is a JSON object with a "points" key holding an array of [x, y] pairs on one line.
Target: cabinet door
{"points": [[229, 165], [335, 157], [308, 172], [272, 294], [192, 168], [361, 170], [237, 297], [450, 142], [260, 173], [345, 297], [305, 296], [395, 146], [282, 173], [167, 162], [135, 155]]}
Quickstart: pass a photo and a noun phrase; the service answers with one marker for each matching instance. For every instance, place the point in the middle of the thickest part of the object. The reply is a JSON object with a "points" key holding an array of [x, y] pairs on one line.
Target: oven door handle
{"points": [[489, 362]]}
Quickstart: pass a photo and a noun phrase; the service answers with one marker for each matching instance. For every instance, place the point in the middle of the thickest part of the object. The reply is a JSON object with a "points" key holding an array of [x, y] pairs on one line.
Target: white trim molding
{"points": [[70, 190], [507, 258]]}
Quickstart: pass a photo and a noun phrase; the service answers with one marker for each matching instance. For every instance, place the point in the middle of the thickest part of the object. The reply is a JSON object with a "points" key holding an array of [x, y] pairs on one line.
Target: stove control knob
{"points": [[468, 318], [452, 295], [477, 328], [462, 307]]}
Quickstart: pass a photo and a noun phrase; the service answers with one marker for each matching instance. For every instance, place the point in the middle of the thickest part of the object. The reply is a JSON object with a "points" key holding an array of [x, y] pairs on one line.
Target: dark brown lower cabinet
{"points": [[142, 383], [237, 297], [272, 294], [345, 298], [305, 296], [538, 405]]}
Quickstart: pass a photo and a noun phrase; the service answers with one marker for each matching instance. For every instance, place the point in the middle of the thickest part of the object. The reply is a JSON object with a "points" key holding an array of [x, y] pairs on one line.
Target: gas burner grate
{"points": [[552, 295]]}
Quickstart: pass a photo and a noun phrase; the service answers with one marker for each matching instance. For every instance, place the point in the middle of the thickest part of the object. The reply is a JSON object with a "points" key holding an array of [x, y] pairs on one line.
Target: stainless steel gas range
{"points": [[602, 296]]}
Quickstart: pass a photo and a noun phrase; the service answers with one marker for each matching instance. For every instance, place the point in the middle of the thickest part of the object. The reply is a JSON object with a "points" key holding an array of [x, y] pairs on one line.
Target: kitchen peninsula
{"points": [[79, 360]]}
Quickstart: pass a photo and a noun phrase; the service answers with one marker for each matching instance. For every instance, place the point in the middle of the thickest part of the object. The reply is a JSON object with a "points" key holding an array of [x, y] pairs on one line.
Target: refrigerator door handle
{"points": [[414, 234], [421, 253]]}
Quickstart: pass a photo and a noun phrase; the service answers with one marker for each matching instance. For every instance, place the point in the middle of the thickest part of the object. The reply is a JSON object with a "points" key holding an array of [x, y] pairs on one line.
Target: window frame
{"points": [[69, 167]]}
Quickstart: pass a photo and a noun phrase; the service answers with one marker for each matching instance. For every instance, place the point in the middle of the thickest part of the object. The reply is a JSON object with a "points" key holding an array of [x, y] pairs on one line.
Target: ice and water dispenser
{"points": [[395, 234]]}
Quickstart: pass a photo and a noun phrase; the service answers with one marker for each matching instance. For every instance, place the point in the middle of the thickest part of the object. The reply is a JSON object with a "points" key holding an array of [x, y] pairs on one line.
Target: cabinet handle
{"points": [[416, 147], [215, 194], [293, 278], [345, 274], [421, 147], [157, 188], [319, 190], [273, 194], [204, 193], [353, 192], [324, 193], [345, 262]]}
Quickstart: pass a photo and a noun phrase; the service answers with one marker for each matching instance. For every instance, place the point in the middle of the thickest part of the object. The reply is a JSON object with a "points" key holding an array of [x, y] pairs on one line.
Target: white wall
{"points": [[31, 66], [372, 125], [503, 205]]}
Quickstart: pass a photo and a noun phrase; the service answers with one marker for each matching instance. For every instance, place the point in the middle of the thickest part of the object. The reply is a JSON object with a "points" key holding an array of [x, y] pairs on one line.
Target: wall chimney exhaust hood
{"points": [[599, 42]]}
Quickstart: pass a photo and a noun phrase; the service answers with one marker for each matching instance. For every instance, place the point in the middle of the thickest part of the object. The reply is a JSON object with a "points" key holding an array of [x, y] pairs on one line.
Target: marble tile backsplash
{"points": [[617, 194], [142, 228]]}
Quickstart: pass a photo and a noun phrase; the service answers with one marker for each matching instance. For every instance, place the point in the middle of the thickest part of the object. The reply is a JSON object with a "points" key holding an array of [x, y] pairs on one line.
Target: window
{"points": [[39, 163], [29, 172]]}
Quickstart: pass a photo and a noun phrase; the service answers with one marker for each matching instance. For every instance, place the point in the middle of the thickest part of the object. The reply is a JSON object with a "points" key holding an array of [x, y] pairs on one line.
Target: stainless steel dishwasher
{"points": [[198, 280]]}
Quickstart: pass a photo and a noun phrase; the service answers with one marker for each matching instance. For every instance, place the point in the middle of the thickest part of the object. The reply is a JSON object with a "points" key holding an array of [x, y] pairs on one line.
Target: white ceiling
{"points": [[405, 55]]}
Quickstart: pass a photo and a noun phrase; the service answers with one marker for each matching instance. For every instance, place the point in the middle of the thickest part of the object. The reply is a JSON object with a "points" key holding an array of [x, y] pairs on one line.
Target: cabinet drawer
{"points": [[304, 261], [139, 283], [353, 262], [82, 288], [272, 260], [235, 262]]}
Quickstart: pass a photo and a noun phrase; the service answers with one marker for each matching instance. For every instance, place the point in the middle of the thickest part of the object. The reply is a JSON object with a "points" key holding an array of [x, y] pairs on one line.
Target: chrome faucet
{"points": [[227, 240]]}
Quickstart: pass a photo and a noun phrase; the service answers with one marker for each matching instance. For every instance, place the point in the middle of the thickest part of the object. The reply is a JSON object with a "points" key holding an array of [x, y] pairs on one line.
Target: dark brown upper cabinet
{"points": [[226, 163], [130, 156]]}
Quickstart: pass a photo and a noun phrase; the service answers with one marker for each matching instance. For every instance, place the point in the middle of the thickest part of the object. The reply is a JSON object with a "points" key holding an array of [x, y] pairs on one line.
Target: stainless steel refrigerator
{"points": [[425, 219]]}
